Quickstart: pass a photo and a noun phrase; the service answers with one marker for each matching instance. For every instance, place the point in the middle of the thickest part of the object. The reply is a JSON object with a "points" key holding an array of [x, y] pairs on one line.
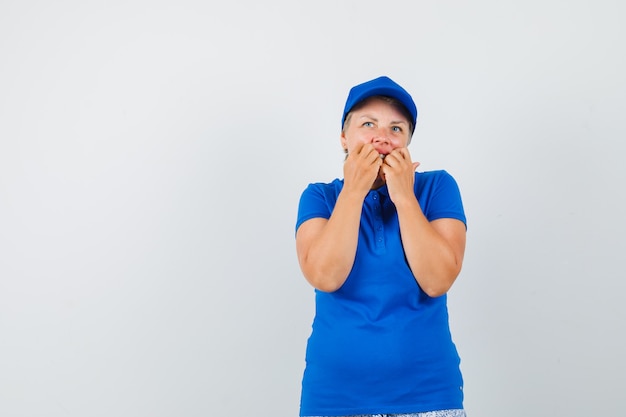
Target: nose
{"points": [[381, 136]]}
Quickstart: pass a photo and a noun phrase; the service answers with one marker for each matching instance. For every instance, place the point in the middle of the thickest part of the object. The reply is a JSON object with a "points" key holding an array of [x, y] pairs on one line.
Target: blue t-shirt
{"points": [[379, 344]]}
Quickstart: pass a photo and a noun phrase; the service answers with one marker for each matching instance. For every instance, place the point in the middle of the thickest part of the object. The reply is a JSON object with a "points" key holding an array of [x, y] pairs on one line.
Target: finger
{"points": [[370, 153], [358, 148], [393, 159], [404, 152]]}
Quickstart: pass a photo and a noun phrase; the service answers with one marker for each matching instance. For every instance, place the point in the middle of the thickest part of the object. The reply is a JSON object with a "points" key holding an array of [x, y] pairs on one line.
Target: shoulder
{"points": [[438, 178], [318, 200], [324, 188], [434, 175], [439, 195]]}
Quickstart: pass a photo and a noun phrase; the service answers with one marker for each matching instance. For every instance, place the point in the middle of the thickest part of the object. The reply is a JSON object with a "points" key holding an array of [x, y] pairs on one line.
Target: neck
{"points": [[378, 182]]}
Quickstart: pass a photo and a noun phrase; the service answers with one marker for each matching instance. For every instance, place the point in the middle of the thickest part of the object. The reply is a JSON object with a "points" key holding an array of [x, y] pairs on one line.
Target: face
{"points": [[377, 122]]}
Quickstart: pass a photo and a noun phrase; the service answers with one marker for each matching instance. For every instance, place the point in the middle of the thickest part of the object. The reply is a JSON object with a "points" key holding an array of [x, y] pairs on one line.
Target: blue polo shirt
{"points": [[379, 344]]}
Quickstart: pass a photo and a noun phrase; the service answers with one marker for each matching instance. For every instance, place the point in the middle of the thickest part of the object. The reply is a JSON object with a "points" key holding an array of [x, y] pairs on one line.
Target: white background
{"points": [[152, 154]]}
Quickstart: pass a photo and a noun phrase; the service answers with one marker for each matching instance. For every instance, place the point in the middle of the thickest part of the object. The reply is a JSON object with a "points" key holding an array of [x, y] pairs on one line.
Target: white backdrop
{"points": [[152, 154]]}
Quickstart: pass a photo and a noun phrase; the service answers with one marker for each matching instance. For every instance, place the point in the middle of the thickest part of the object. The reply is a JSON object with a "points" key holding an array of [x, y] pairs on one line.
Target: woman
{"points": [[381, 247]]}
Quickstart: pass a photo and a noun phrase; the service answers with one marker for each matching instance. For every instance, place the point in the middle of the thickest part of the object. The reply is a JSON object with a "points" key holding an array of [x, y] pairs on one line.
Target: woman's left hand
{"points": [[399, 172]]}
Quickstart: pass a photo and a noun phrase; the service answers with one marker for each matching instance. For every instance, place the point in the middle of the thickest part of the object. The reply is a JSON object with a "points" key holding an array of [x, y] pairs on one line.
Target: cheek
{"points": [[355, 140], [400, 142]]}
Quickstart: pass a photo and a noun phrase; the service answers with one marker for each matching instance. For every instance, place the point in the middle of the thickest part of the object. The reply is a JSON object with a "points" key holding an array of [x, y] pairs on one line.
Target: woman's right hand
{"points": [[361, 169]]}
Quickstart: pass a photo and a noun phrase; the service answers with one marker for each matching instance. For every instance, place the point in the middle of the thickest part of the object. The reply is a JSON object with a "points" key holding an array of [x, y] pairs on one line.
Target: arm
{"points": [[434, 250], [326, 247]]}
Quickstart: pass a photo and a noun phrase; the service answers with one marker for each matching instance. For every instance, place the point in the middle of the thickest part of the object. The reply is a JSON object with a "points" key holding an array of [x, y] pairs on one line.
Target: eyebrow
{"points": [[393, 122]]}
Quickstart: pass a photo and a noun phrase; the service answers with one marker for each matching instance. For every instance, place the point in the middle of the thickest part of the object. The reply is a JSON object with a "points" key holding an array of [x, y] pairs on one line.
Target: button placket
{"points": [[379, 230]]}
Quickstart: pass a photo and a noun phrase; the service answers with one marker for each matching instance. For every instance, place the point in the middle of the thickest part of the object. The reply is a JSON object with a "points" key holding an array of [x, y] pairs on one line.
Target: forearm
{"points": [[329, 257], [434, 262]]}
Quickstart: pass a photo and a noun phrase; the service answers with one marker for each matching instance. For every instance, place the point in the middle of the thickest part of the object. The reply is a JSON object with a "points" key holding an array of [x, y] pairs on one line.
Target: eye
{"points": [[396, 129], [368, 124]]}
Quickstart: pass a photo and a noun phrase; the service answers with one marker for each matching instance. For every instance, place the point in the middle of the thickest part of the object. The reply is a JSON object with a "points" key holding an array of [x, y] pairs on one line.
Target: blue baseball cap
{"points": [[381, 86]]}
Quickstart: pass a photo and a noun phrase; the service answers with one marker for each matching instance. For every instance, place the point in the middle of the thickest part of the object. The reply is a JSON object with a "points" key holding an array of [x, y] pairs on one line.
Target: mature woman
{"points": [[381, 247]]}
